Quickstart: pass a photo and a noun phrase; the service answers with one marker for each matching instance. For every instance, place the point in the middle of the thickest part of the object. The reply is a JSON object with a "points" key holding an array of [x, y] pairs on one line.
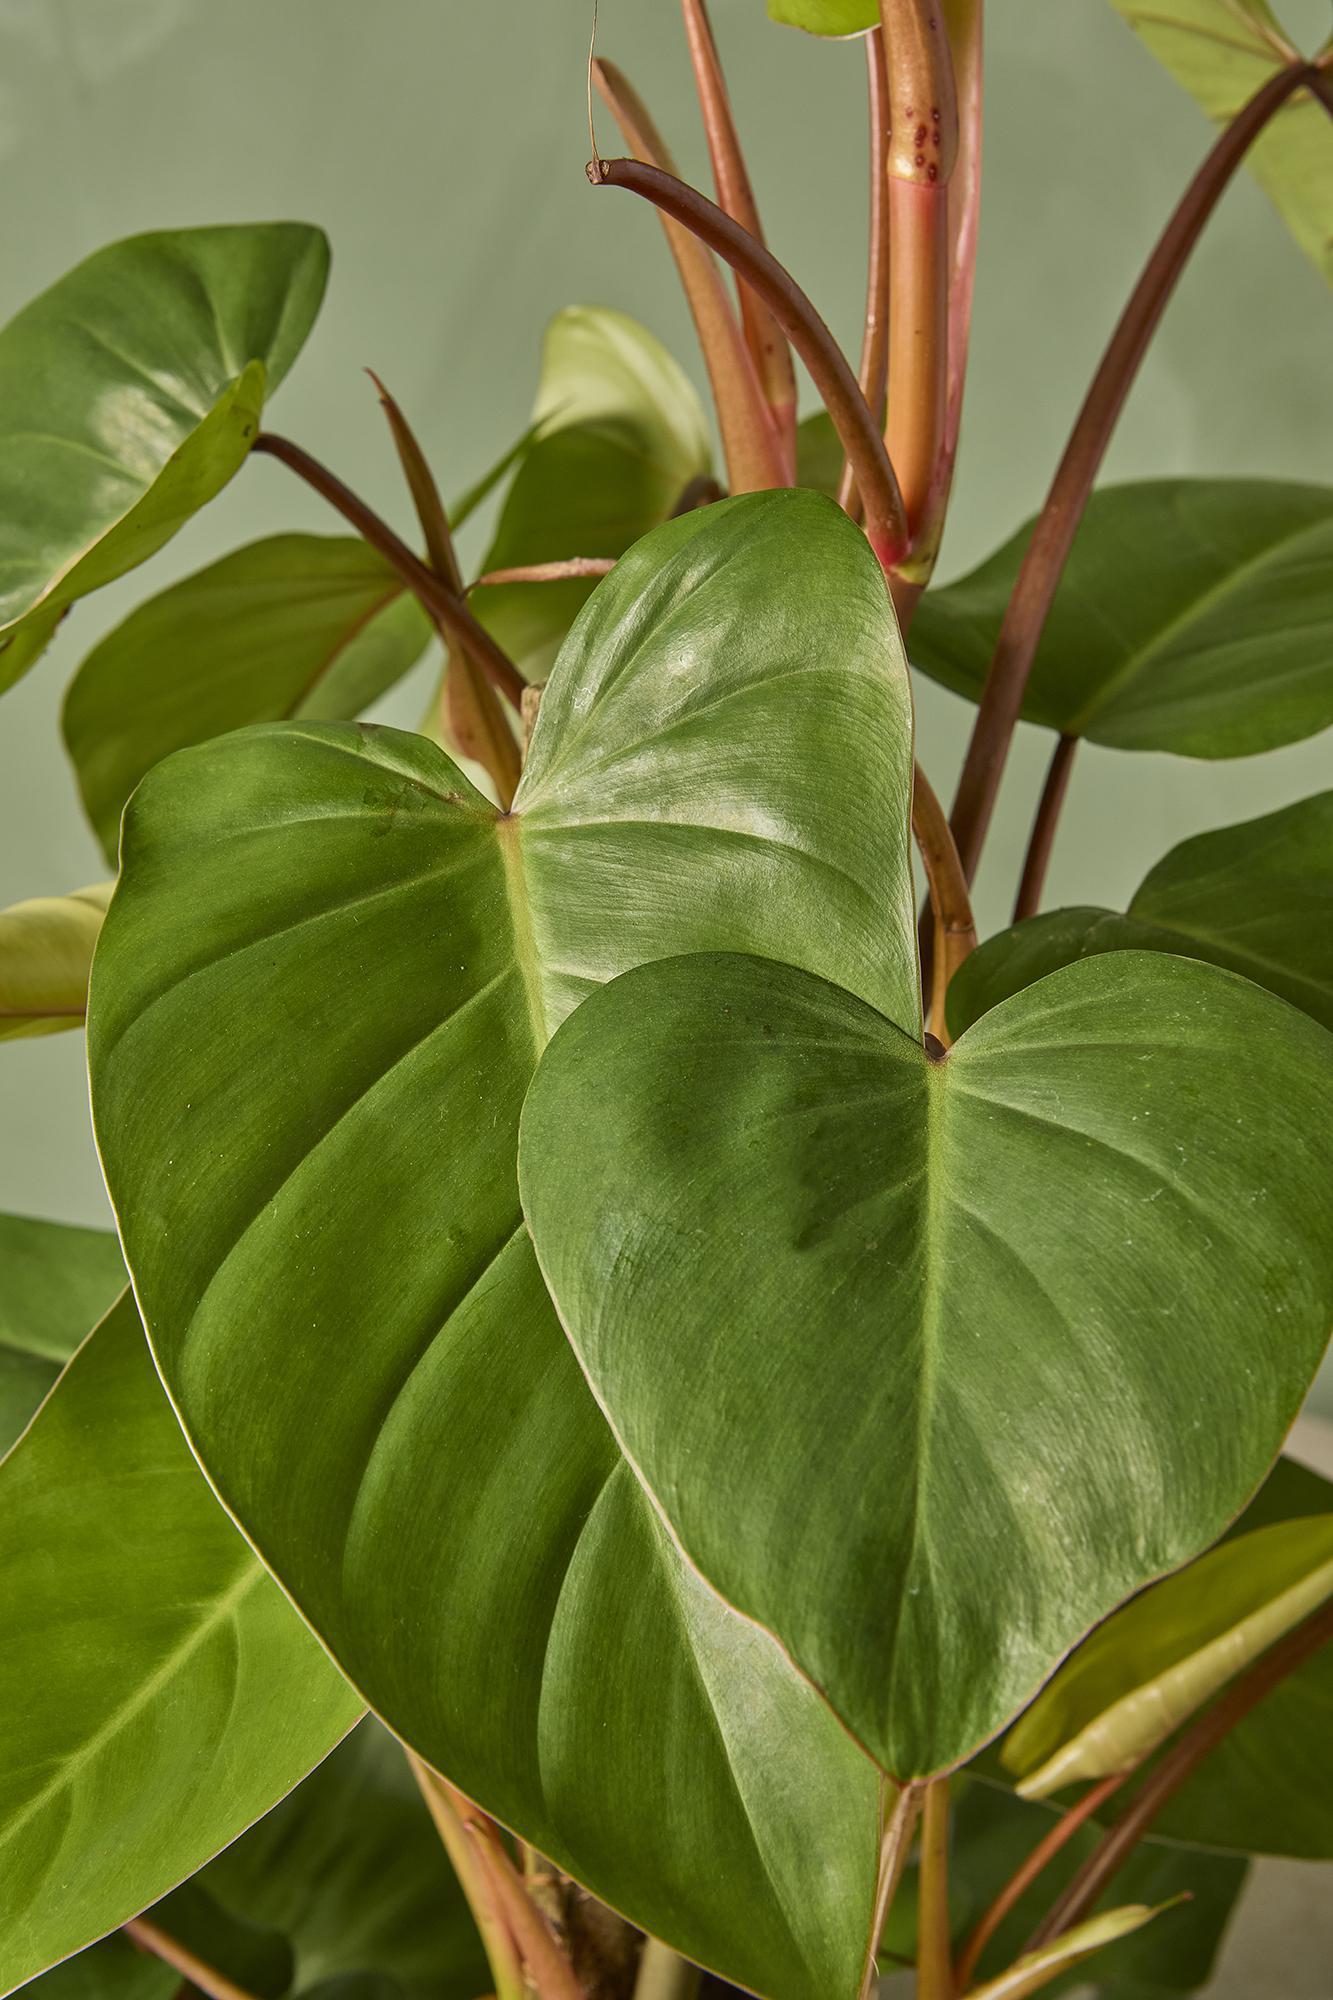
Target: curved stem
{"points": [[547, 572], [151, 1938], [1178, 1766], [1027, 1872], [768, 348], [1038, 858], [750, 443], [1035, 588], [934, 1963], [954, 930], [438, 599], [873, 375], [886, 523], [895, 1841]]}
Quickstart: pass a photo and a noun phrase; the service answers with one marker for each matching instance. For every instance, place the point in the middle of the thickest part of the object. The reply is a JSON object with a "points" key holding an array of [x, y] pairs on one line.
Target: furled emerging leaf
{"points": [[55, 1282], [1254, 898], [318, 1003], [46, 948], [308, 625], [130, 392], [929, 1365], [159, 1693], [1195, 615], [1222, 51], [826, 17], [1037, 1969]]}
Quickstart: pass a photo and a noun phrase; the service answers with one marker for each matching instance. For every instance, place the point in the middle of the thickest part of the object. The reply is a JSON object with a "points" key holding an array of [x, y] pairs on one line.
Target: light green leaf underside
{"points": [[130, 392], [46, 948], [297, 625], [1194, 616], [1039, 1316], [55, 1282], [1253, 898], [158, 1690], [344, 1031], [1136, 1679], [1222, 52], [1038, 1969], [826, 17], [620, 434]]}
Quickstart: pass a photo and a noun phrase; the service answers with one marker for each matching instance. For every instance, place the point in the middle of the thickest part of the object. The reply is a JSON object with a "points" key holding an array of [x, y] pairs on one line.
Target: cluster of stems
{"points": [[897, 416]]}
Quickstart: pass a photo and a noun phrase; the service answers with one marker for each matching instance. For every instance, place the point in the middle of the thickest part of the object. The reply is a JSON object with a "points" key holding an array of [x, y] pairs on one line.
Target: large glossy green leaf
{"points": [[929, 1365], [1254, 898], [130, 392], [1223, 51], [158, 1691], [55, 1282], [298, 625], [826, 17], [317, 1006], [349, 1871], [46, 948], [1194, 615], [621, 434]]}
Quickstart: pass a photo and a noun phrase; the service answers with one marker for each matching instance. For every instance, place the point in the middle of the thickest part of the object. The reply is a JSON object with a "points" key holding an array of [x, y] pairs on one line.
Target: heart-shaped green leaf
{"points": [[1223, 51], [159, 1692], [130, 392], [621, 433], [929, 1365], [318, 1003], [1194, 615], [299, 625], [46, 948], [1253, 898], [55, 1282]]}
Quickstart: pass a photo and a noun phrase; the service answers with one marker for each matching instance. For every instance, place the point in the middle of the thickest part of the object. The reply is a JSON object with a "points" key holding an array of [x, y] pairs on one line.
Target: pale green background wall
{"points": [[441, 143]]}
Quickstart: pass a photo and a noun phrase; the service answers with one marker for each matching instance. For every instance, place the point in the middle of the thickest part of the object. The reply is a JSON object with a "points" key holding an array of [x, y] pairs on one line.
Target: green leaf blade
{"points": [[56, 1280], [130, 393]]}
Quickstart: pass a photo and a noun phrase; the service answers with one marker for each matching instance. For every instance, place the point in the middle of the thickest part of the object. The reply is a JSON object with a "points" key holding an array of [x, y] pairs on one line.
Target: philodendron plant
{"points": [[688, 1418]]}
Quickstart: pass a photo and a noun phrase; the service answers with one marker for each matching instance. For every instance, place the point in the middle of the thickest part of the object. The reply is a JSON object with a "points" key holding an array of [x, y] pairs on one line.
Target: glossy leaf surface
{"points": [[55, 1282], [130, 392], [621, 433], [46, 948], [343, 1031], [153, 1678], [298, 625], [1194, 615], [1253, 898], [1039, 1314], [1223, 51]]}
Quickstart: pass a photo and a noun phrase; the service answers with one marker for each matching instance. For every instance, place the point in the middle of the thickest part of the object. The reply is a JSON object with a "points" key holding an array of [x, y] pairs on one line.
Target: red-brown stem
{"points": [[547, 572], [206, 1978], [1038, 858], [768, 347], [438, 599], [1027, 1872], [550, 1973], [452, 1815], [955, 932], [964, 21], [750, 443], [874, 371], [918, 338], [886, 523], [934, 1967], [1179, 1765], [1035, 588]]}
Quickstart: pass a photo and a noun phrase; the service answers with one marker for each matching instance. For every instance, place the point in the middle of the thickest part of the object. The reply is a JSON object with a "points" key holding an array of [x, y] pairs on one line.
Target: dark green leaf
{"points": [[159, 1693], [55, 1282], [621, 434], [1254, 898], [1195, 615], [1223, 51], [873, 1330], [111, 1970], [318, 1005], [299, 625], [46, 948], [130, 392], [819, 454]]}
